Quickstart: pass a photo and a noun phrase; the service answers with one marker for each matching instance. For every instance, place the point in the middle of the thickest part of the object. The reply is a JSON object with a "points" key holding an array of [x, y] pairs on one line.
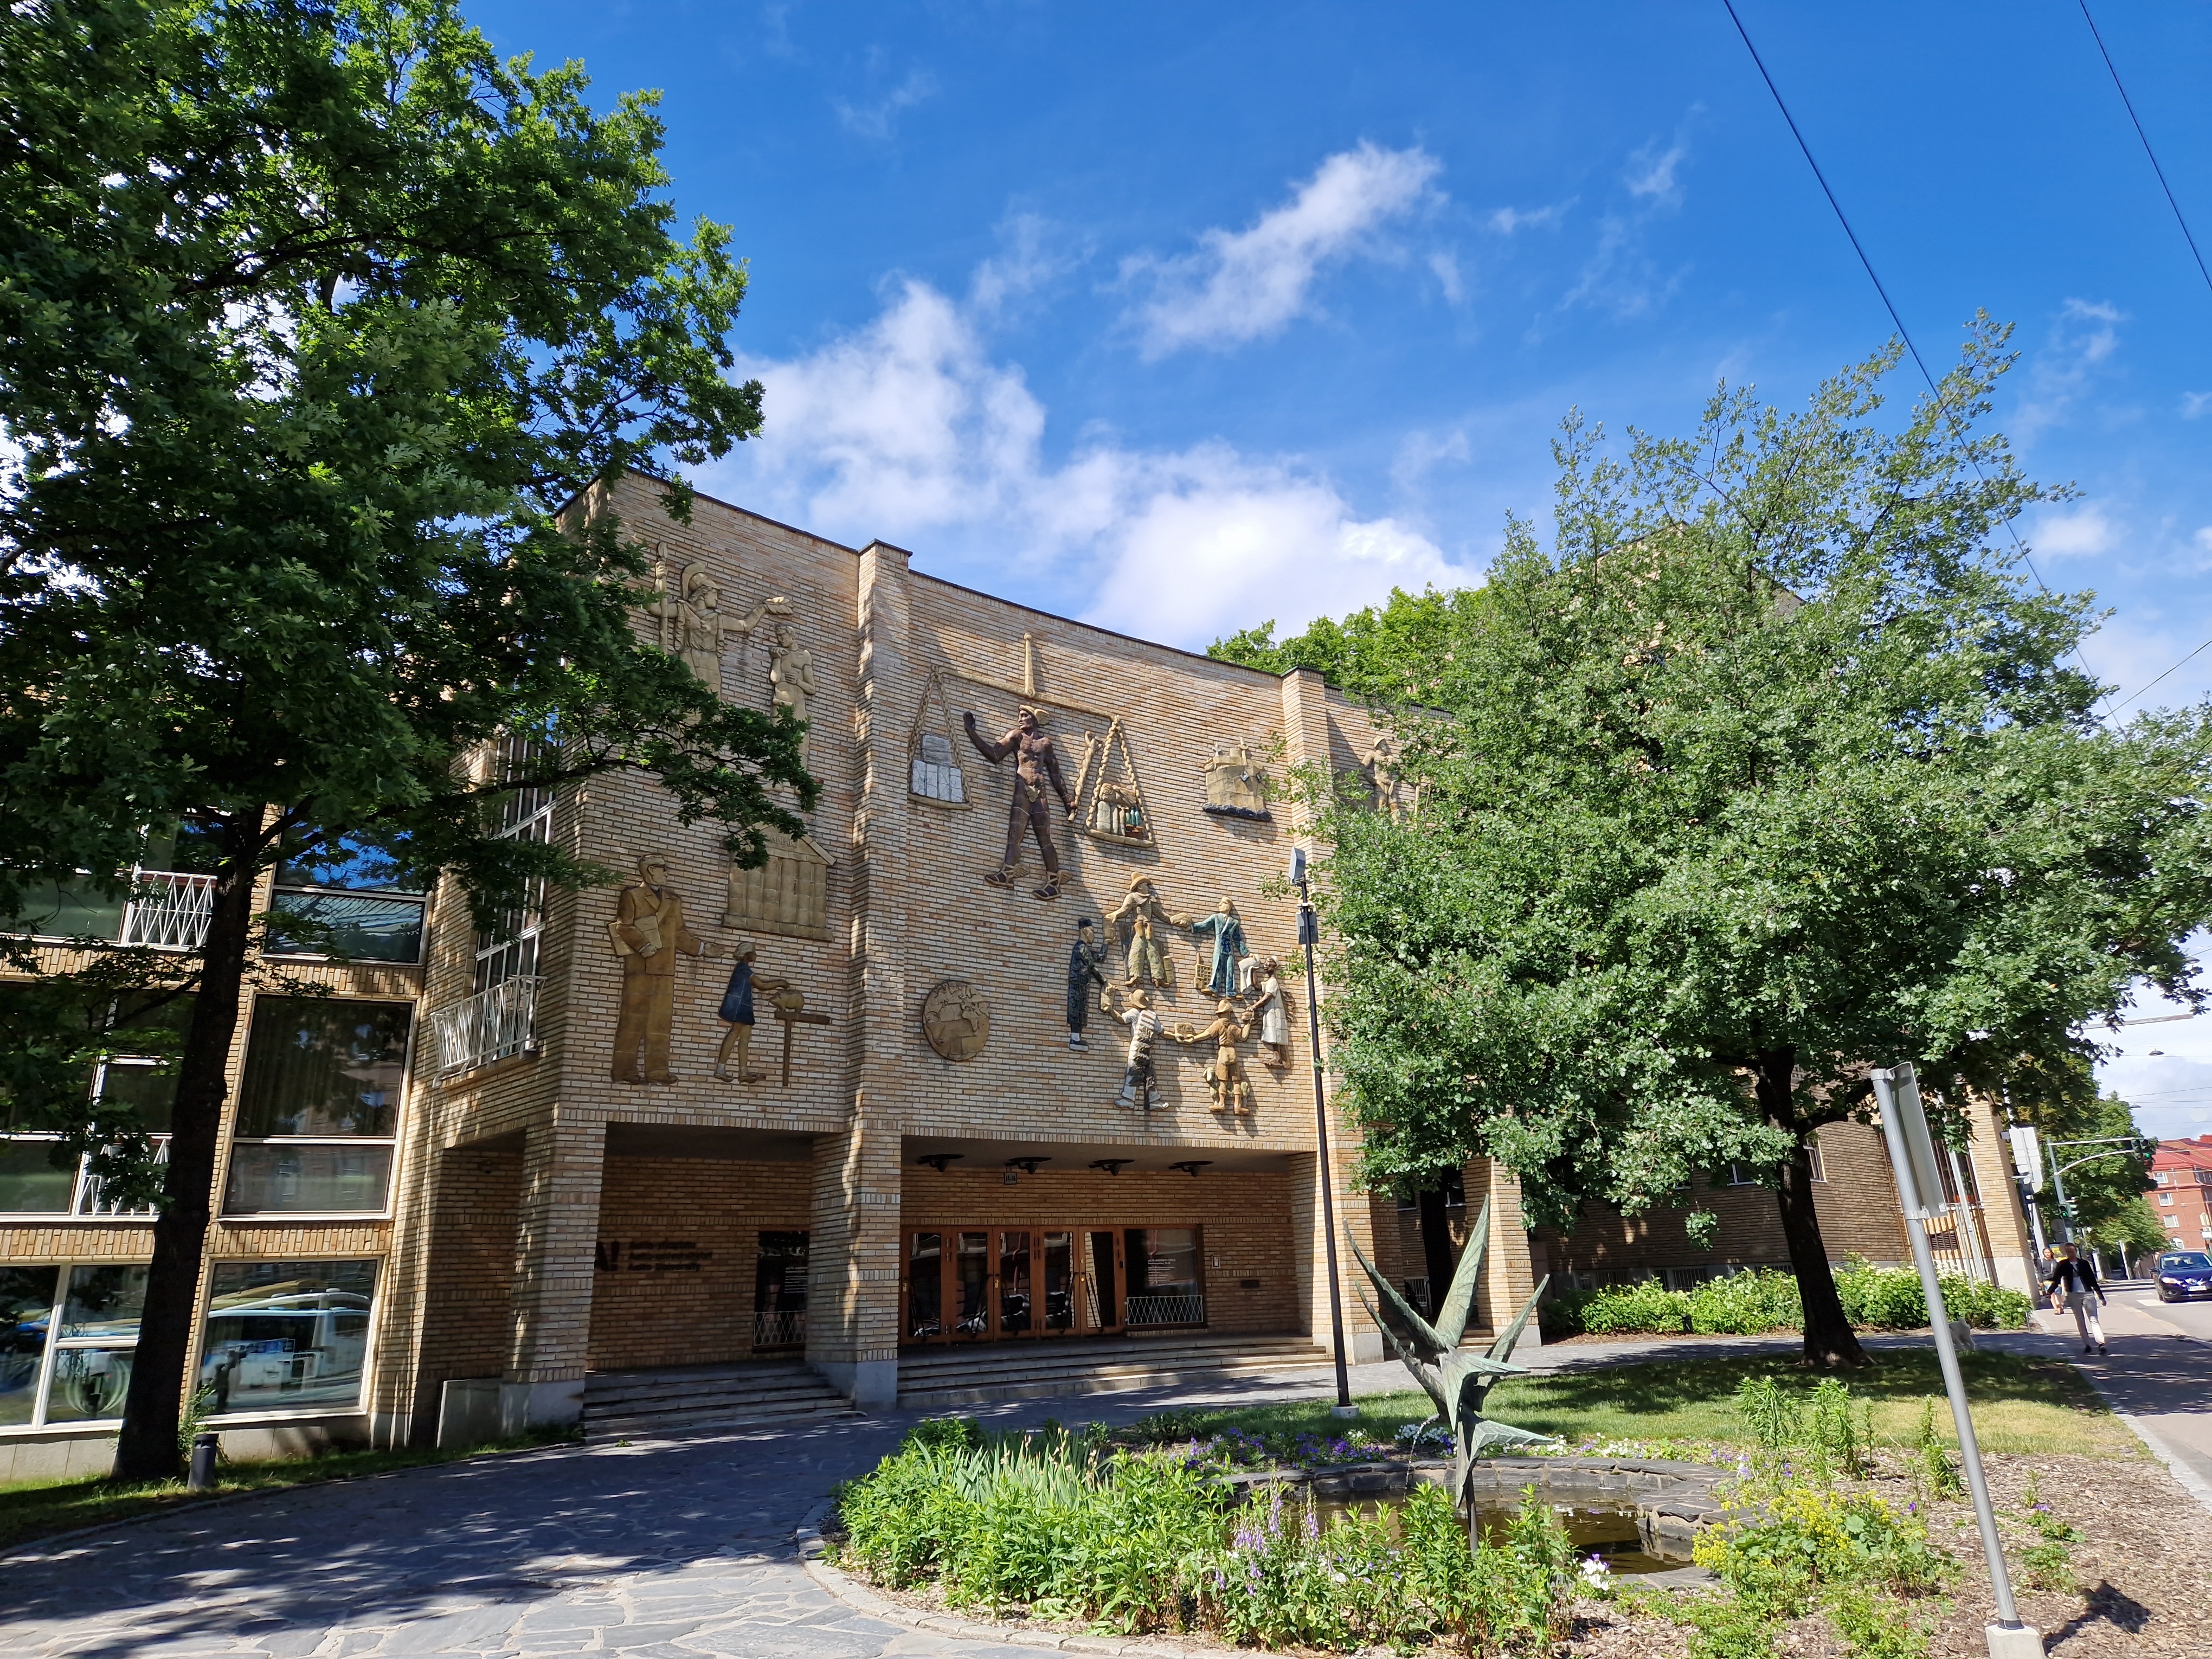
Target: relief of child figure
{"points": [[1270, 1016], [737, 1010]]}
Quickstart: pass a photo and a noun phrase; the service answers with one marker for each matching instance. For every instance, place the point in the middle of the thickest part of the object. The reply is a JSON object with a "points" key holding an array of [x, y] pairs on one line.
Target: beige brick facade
{"points": [[547, 1220]]}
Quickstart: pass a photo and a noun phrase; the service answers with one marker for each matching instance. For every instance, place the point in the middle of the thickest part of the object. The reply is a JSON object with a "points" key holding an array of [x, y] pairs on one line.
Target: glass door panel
{"points": [[971, 1285], [1102, 1294], [925, 1287], [1017, 1308], [1059, 1269]]}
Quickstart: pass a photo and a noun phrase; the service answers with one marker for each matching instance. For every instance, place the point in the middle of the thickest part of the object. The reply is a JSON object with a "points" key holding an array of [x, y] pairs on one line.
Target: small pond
{"points": [[1597, 1526]]}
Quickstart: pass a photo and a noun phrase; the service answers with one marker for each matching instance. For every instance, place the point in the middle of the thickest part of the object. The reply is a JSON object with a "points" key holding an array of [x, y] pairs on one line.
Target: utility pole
{"points": [[1913, 1155], [1310, 936]]}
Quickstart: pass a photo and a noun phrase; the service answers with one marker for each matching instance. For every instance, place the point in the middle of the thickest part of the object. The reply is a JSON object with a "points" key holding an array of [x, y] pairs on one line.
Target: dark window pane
{"points": [[146, 1023], [26, 1303], [192, 846], [29, 1182], [349, 861], [273, 1177], [287, 1336], [340, 924], [104, 1302], [149, 1092], [71, 909], [322, 1067]]}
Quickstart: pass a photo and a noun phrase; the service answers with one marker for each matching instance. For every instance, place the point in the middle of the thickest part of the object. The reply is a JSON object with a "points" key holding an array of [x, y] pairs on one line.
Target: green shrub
{"points": [[1890, 1299], [1620, 1310], [1746, 1304], [1811, 1538], [1727, 1626]]}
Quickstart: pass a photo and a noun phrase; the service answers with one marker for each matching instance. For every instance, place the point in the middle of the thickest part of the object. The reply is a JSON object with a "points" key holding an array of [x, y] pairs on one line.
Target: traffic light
{"points": [[2147, 1147]]}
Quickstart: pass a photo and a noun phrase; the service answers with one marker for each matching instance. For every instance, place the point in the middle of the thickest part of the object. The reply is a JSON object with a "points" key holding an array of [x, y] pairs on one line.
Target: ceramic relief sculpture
{"points": [[737, 1011], [791, 681], [1221, 947], [1270, 1016], [787, 895], [1137, 1013], [1458, 1383], [1107, 779], [648, 933], [1236, 784], [1036, 763], [1137, 919], [1082, 965], [955, 1019], [693, 625], [1233, 1090], [933, 769], [1388, 782]]}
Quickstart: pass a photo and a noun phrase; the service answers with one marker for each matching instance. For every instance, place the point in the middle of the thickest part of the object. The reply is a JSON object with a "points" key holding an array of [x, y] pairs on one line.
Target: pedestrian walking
{"points": [[2074, 1281]]}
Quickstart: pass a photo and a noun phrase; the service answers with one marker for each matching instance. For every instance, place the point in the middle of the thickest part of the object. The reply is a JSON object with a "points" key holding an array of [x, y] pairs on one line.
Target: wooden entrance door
{"points": [[1001, 1283]]}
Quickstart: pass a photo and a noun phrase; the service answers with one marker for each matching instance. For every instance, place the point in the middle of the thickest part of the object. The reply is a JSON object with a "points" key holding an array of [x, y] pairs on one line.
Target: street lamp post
{"points": [[1310, 936]]}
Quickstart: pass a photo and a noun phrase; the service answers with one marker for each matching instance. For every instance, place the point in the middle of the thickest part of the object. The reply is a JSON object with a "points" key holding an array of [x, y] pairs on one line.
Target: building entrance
{"points": [[990, 1284]]}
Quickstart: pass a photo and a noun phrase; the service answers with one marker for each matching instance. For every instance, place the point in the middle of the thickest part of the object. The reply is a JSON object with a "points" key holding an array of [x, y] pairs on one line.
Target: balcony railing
{"points": [[1174, 1309], [168, 910], [490, 1025], [91, 1199]]}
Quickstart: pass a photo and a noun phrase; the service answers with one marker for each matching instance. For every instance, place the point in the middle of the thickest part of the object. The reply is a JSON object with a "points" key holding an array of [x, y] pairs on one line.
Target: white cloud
{"points": [[1247, 284], [2083, 338], [2194, 403], [1618, 275], [2083, 533], [1506, 221], [1446, 267], [1652, 172], [875, 120], [1031, 255], [907, 429], [1421, 453]]}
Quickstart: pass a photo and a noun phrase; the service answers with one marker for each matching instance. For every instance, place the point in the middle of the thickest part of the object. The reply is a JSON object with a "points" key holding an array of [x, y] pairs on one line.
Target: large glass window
{"points": [[319, 1106], [347, 898], [27, 1311], [1164, 1284], [287, 1336], [140, 1089], [780, 1290]]}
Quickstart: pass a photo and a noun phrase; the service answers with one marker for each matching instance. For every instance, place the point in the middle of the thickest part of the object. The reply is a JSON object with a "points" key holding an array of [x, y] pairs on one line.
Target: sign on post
{"points": [[2027, 1153], [1919, 1145]]}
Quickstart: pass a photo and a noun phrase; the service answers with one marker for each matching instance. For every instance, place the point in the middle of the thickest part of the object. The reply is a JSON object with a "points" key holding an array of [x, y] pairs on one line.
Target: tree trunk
{"points": [[1436, 1247], [1829, 1340], [153, 1411]]}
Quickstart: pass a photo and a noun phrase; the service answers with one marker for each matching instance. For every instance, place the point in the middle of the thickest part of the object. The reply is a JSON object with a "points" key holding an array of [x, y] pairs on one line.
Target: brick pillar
{"points": [[853, 1299], [852, 1276], [557, 1224], [1508, 1274]]}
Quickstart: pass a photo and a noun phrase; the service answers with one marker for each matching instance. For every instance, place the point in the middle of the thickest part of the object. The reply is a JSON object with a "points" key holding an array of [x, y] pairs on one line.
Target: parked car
{"points": [[2182, 1275]]}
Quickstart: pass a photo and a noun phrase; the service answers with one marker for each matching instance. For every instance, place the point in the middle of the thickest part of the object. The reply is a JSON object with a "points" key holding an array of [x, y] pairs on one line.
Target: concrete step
{"points": [[693, 1398], [977, 1375]]}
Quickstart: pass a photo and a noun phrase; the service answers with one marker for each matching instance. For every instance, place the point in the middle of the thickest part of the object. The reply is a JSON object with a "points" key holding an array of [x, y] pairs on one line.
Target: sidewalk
{"points": [[2156, 1378]]}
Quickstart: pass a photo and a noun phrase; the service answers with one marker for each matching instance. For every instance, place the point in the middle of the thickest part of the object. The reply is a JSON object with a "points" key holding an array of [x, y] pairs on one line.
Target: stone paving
{"points": [[669, 1549]]}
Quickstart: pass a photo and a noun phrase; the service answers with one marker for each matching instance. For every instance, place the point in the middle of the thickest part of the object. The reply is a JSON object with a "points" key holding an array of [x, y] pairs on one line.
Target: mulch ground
{"points": [[2144, 1576]]}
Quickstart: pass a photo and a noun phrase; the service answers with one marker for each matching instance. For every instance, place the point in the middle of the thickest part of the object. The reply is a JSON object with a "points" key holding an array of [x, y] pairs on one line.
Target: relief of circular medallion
{"points": [[956, 1019]]}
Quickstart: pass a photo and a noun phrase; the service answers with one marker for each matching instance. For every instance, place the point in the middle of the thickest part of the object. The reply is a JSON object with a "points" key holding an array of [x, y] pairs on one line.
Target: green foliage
{"points": [[1397, 653], [2048, 1562], [1770, 1412], [1751, 1303], [1934, 1463], [1766, 682], [1807, 1538], [1728, 1626], [322, 330], [1148, 1541], [1875, 1626]]}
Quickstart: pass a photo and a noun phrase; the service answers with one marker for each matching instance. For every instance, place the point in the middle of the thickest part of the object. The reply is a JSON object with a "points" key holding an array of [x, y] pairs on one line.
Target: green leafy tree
{"points": [[1772, 767], [2062, 1101], [319, 323], [1396, 653]]}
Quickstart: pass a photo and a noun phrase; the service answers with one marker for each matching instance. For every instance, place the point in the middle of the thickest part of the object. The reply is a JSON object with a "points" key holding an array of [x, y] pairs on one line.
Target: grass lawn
{"points": [[38, 1509], [2020, 1404]]}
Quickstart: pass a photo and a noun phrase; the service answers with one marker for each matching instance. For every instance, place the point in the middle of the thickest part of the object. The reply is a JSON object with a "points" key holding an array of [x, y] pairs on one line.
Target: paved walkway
{"points": [[676, 1549]]}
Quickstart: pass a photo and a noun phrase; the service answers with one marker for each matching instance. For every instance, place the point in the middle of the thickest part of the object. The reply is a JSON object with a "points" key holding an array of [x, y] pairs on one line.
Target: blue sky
{"points": [[1180, 318]]}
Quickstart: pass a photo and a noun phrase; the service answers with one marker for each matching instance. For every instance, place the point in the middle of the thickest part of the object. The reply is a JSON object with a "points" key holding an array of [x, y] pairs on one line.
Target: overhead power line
{"points": [[2129, 104], [1873, 275]]}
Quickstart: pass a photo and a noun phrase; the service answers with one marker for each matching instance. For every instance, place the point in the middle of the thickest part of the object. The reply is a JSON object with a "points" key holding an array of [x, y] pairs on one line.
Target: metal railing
{"points": [[490, 1025], [787, 1329], [168, 910], [1182, 1308]]}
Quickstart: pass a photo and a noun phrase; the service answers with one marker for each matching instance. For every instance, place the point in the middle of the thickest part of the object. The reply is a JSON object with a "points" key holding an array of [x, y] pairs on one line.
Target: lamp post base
{"points": [[2013, 1641]]}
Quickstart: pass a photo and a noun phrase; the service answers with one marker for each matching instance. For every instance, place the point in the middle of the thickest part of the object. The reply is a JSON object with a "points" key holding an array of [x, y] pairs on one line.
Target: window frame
{"points": [[234, 1140], [371, 1335], [55, 1343]]}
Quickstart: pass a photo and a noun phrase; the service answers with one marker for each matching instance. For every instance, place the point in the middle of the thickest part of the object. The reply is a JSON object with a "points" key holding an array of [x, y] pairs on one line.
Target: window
{"points": [[287, 1336], [33, 1183], [1164, 1287], [1742, 1175], [780, 1291], [2162, 1177], [1813, 1156], [2166, 1198], [319, 1106], [510, 950], [67, 1334], [344, 896]]}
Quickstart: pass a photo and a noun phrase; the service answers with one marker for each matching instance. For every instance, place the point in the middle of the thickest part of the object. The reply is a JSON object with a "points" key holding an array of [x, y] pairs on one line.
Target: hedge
{"points": [[1751, 1303]]}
